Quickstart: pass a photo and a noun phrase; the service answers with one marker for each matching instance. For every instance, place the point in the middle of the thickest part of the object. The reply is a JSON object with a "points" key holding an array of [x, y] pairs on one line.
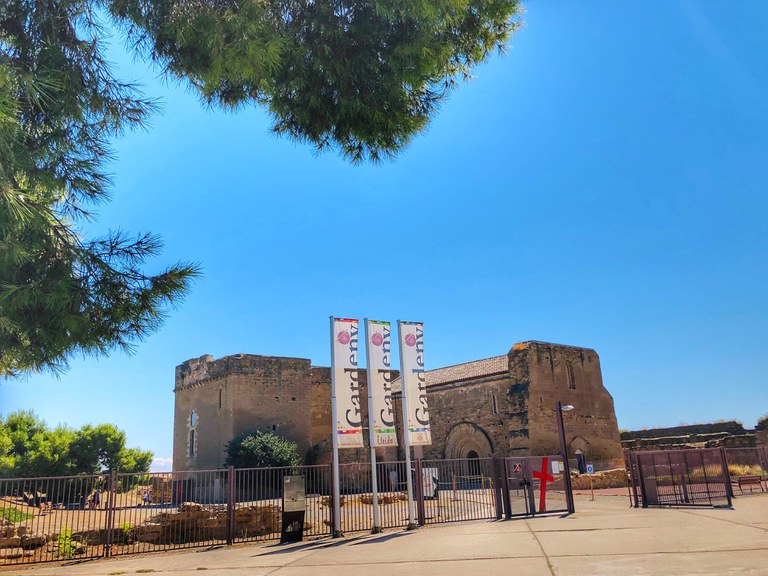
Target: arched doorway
{"points": [[466, 438], [473, 465], [581, 462]]}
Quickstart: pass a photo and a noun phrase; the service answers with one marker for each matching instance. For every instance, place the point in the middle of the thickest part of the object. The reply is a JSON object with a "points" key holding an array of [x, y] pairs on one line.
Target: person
{"points": [[145, 497], [95, 499], [393, 480]]}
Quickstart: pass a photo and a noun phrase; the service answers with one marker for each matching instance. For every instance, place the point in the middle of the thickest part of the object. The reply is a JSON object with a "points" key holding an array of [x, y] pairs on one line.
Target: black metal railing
{"points": [[748, 469], [695, 477], [77, 517]]}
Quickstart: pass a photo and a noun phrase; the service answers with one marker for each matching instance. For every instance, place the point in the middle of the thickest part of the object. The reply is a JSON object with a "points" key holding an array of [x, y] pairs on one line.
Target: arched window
{"points": [[192, 433], [569, 375]]}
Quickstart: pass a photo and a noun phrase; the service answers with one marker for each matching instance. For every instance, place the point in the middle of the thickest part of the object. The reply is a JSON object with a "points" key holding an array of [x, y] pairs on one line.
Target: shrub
{"points": [[261, 450], [14, 515], [67, 546]]}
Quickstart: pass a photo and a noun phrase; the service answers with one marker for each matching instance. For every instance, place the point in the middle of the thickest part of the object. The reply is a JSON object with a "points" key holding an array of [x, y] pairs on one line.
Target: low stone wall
{"points": [[607, 479], [194, 522]]}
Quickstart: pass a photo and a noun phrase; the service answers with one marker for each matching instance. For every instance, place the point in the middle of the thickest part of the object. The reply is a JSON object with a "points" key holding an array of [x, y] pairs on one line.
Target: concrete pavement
{"points": [[604, 537]]}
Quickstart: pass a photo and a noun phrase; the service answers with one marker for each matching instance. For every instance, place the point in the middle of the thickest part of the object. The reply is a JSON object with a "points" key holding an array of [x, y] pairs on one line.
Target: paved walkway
{"points": [[604, 537]]}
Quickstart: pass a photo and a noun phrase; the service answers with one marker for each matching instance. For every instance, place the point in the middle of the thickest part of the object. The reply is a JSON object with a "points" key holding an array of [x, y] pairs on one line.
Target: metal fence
{"points": [[748, 468], [457, 490], [696, 477], [79, 517]]}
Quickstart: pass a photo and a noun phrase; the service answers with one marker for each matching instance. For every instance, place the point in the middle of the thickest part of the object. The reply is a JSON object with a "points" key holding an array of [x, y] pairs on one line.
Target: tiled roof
{"points": [[466, 371]]}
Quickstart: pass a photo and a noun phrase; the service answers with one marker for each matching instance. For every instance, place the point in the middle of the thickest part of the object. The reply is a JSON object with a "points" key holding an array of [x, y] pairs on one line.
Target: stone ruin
{"points": [[193, 522]]}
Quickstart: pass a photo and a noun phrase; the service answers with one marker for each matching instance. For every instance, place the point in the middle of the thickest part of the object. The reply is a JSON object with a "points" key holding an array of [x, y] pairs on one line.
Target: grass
{"points": [[14, 515], [745, 470], [144, 570]]}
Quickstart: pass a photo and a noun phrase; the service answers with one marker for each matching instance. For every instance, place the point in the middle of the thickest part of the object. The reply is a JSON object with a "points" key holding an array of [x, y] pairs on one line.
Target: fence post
{"points": [[505, 487], [421, 520], [497, 487], [230, 505], [332, 505], [726, 476], [111, 505], [634, 476]]}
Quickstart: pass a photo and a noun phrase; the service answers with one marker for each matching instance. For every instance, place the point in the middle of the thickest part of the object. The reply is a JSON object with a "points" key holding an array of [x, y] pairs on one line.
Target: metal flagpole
{"points": [[335, 435], [372, 431], [406, 435]]}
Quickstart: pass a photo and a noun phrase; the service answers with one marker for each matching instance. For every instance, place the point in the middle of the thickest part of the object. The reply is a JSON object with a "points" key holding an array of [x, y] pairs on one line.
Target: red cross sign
{"points": [[545, 477]]}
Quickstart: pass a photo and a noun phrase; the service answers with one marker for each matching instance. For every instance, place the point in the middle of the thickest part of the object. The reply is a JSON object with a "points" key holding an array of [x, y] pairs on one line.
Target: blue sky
{"points": [[602, 184]]}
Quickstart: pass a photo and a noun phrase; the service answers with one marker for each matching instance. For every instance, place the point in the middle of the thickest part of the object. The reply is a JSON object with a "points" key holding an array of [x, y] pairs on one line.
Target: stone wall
{"points": [[200, 383], [275, 395], [761, 431], [724, 428], [572, 376], [730, 434], [478, 416]]}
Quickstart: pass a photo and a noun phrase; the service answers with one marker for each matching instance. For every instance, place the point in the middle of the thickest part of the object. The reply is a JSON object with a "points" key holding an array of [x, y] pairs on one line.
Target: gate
{"points": [[695, 477], [534, 485]]}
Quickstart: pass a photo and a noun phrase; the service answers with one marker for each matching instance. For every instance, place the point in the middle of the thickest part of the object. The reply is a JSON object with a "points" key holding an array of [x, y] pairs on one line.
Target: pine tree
{"points": [[359, 76], [363, 76], [60, 105]]}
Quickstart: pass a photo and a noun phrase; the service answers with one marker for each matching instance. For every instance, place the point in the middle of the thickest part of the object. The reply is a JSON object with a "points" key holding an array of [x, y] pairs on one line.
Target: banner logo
{"points": [[343, 337]]}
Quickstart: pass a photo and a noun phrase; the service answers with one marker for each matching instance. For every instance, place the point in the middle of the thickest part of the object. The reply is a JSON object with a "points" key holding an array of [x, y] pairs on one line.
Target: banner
{"points": [[414, 382], [345, 384], [380, 409]]}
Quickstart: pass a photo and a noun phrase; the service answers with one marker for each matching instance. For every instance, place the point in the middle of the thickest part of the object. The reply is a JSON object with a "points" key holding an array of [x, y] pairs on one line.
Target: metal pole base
{"points": [[377, 530], [412, 526], [337, 534]]}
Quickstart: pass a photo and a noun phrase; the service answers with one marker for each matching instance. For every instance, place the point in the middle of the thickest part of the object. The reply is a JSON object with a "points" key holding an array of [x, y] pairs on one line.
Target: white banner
{"points": [[345, 383], [414, 382], [380, 409]]}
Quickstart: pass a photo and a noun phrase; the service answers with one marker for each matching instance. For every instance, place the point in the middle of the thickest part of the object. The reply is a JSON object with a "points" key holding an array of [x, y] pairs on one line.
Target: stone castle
{"points": [[503, 405]]}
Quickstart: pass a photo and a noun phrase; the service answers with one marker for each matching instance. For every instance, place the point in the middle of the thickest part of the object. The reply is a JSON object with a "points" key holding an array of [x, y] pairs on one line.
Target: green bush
{"points": [[67, 546], [261, 450], [14, 515]]}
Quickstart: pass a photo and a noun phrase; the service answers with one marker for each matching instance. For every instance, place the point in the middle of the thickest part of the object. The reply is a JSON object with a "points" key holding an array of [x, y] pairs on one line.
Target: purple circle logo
{"points": [[343, 337], [377, 339], [410, 340]]}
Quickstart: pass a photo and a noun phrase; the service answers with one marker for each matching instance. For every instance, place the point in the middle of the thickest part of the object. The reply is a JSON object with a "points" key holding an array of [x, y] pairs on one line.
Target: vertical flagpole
{"points": [[372, 431], [406, 433], [335, 435]]}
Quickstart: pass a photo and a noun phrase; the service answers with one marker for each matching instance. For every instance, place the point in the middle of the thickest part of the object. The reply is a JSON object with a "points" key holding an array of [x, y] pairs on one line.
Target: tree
{"points": [[261, 450], [97, 448], [29, 448], [60, 106], [360, 75]]}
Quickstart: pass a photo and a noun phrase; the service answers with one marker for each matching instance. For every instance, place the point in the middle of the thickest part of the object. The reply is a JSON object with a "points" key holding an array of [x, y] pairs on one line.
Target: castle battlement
{"points": [[204, 368]]}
